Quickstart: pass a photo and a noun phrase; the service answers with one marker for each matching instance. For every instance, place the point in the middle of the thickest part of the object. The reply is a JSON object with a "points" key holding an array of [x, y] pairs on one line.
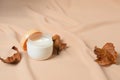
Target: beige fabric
{"points": [[81, 23]]}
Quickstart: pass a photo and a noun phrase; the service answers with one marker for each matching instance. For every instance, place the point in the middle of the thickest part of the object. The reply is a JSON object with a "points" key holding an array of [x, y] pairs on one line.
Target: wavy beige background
{"points": [[83, 24]]}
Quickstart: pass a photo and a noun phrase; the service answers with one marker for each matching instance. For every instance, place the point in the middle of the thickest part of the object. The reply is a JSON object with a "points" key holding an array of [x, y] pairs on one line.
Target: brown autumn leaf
{"points": [[58, 44], [14, 59], [106, 55]]}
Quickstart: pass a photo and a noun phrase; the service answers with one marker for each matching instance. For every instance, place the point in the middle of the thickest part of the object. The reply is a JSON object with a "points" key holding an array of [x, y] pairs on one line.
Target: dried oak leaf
{"points": [[107, 55], [58, 44], [14, 59]]}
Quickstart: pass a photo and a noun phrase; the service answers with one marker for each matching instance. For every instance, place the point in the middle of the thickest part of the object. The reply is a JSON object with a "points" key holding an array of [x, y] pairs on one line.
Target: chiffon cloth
{"points": [[82, 24]]}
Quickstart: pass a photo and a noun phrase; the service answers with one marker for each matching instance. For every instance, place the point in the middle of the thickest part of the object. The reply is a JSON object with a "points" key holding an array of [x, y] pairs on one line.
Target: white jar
{"points": [[40, 48]]}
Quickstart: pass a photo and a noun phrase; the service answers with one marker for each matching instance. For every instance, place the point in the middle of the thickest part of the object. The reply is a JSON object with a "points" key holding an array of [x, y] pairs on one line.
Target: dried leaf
{"points": [[107, 55], [14, 59], [58, 44]]}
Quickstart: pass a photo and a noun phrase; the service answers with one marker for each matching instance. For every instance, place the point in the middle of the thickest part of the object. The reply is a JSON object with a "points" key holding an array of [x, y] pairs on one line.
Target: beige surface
{"points": [[81, 23]]}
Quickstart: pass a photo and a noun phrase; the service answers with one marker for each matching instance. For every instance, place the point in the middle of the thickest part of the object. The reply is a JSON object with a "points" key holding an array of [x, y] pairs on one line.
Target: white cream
{"points": [[40, 48]]}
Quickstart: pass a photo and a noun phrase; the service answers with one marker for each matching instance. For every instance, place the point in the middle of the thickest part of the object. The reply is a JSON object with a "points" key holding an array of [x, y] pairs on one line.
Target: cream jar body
{"points": [[40, 48]]}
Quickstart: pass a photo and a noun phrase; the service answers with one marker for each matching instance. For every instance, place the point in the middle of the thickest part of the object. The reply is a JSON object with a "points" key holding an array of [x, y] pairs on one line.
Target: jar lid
{"points": [[30, 33]]}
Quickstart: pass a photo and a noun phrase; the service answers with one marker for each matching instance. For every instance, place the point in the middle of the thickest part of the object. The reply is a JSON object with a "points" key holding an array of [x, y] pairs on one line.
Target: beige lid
{"points": [[25, 37]]}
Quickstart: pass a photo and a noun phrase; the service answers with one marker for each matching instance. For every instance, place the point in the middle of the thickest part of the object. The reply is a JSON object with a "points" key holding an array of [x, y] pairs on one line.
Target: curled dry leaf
{"points": [[13, 59], [58, 44], [107, 55]]}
